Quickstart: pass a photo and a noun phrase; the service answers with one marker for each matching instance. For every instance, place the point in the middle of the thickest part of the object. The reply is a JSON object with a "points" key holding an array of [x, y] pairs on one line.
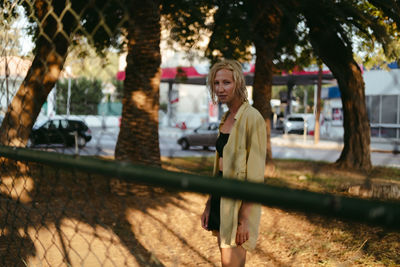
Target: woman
{"points": [[240, 154]]}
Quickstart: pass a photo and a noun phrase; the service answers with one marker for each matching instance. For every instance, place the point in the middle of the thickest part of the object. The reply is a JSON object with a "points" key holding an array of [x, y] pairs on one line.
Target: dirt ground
{"points": [[174, 235], [58, 220]]}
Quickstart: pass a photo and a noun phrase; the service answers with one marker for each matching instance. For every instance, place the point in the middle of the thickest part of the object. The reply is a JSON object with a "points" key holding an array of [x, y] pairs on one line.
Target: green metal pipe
{"points": [[369, 211]]}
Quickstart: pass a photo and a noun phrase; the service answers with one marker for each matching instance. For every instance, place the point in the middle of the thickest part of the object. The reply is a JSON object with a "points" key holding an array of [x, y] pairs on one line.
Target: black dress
{"points": [[215, 202]]}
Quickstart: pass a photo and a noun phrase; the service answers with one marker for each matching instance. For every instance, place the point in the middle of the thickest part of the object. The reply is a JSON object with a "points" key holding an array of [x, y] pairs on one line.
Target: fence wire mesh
{"points": [[52, 217], [59, 69]]}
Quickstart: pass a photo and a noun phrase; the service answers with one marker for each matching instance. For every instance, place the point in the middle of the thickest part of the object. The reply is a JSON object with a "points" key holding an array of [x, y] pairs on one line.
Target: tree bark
{"points": [[265, 25], [51, 51], [138, 136], [262, 90], [339, 58]]}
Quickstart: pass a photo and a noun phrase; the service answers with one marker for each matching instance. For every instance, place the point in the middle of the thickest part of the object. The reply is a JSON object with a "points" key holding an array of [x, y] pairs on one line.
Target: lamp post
{"points": [[68, 70], [7, 76]]}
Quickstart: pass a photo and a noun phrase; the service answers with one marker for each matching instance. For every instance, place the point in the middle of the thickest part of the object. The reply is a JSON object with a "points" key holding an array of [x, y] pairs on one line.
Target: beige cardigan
{"points": [[244, 159]]}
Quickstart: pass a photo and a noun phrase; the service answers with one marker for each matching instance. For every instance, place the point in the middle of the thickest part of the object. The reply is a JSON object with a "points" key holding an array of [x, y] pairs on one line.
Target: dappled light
{"points": [[141, 100], [108, 131]]}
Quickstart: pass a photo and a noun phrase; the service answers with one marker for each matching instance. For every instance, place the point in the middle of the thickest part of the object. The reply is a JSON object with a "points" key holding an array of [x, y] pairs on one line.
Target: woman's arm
{"points": [[242, 234], [206, 214], [256, 146]]}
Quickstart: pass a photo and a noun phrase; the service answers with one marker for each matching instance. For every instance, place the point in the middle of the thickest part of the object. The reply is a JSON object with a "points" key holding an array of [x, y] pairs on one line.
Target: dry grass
{"points": [[302, 239], [310, 175], [325, 177], [53, 217]]}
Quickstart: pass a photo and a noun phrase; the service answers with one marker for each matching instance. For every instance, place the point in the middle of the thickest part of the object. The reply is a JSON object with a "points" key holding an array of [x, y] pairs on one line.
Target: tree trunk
{"points": [[266, 22], [51, 51], [356, 150], [138, 136], [339, 58], [262, 90]]}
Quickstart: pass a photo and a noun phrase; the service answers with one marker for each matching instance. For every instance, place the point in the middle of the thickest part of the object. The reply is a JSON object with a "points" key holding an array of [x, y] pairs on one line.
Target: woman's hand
{"points": [[206, 215], [242, 233]]}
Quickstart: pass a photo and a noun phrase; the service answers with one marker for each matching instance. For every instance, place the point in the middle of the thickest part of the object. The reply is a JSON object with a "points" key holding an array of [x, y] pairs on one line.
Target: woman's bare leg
{"points": [[233, 257]]}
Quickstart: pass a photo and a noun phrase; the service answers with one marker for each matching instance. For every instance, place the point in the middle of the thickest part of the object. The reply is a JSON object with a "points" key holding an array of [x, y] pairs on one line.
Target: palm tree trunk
{"points": [[339, 59], [51, 51], [138, 136]]}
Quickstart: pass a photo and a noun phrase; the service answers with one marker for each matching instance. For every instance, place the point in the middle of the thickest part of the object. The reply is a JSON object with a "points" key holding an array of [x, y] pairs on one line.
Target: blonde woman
{"points": [[240, 154]]}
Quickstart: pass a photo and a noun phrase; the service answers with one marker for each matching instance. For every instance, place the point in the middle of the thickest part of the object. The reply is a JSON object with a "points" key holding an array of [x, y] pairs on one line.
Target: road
{"points": [[103, 144]]}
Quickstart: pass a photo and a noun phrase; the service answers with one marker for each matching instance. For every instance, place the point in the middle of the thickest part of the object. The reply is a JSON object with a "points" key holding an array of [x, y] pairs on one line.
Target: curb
{"points": [[313, 146]]}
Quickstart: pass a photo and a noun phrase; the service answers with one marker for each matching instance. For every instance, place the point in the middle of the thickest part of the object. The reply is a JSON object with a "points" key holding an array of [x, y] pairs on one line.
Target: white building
{"points": [[12, 73]]}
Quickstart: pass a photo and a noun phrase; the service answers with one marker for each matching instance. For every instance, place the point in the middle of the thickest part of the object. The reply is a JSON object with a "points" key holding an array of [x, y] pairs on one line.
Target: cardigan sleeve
{"points": [[256, 147]]}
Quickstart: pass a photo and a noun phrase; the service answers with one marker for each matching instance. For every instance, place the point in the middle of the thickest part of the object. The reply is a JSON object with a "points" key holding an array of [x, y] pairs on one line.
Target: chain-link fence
{"points": [[62, 65], [54, 213]]}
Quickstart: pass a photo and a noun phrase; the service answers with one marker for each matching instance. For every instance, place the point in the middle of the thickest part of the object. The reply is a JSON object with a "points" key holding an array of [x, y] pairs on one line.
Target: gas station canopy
{"points": [[190, 75]]}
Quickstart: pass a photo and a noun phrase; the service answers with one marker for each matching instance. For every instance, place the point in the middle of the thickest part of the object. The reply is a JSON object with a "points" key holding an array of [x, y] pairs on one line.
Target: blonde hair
{"points": [[238, 78]]}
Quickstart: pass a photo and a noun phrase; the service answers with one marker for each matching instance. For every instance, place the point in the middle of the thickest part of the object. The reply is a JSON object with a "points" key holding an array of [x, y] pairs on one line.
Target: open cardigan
{"points": [[244, 159]]}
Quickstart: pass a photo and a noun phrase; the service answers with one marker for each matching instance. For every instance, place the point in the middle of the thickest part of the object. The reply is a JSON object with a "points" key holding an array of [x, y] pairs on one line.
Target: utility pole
{"points": [[7, 76], [318, 106], [290, 85], [305, 100], [6, 67]]}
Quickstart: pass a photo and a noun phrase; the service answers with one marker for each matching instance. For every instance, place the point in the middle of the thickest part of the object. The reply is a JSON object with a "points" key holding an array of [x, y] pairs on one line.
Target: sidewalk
{"points": [[377, 144], [294, 140]]}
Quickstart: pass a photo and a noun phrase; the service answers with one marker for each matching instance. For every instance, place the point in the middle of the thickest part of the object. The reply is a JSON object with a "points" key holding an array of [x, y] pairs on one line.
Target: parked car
{"points": [[62, 132], [295, 123], [205, 135]]}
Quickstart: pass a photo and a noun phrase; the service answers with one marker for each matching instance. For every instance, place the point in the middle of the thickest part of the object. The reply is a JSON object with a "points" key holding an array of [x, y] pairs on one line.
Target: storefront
{"points": [[382, 90]]}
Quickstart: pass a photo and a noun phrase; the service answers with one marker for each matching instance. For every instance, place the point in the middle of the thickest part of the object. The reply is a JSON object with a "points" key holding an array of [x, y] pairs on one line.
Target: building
{"points": [[183, 90], [12, 73], [382, 91]]}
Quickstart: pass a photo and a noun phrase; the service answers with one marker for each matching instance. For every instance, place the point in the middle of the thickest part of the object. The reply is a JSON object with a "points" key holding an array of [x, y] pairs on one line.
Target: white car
{"points": [[297, 122]]}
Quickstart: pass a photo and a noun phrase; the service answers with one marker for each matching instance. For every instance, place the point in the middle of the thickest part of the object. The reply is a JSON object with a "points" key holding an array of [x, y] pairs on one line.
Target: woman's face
{"points": [[224, 86]]}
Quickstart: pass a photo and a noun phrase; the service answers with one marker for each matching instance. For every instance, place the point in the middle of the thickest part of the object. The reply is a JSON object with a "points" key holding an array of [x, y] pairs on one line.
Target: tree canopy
{"points": [[295, 33], [284, 34], [83, 60], [10, 35]]}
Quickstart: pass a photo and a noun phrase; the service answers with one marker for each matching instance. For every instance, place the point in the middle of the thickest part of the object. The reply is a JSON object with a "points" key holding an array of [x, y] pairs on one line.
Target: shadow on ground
{"points": [[53, 217]]}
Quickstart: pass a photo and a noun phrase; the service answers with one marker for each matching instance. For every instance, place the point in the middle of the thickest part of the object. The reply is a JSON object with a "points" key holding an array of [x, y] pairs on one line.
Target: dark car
{"points": [[62, 132], [205, 136]]}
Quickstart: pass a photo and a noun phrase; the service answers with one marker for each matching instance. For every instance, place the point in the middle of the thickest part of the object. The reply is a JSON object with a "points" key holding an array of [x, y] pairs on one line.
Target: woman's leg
{"points": [[233, 257]]}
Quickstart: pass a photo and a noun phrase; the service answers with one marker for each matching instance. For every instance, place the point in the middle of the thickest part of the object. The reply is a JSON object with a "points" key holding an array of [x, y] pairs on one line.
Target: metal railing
{"points": [[369, 211]]}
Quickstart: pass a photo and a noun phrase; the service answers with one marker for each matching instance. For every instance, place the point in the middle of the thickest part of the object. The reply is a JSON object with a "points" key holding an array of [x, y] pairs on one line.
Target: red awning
{"points": [[190, 72], [170, 73], [306, 76]]}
